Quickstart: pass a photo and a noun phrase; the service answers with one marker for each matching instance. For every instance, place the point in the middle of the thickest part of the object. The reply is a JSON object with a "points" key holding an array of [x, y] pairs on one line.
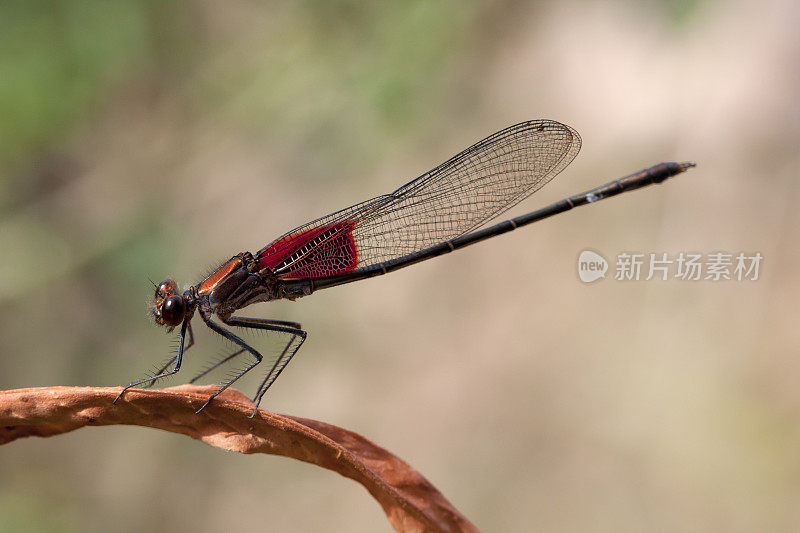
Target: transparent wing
{"points": [[459, 195]]}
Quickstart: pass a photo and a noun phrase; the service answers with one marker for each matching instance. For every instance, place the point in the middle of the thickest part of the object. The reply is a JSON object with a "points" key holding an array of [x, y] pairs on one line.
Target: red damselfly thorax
{"points": [[429, 216]]}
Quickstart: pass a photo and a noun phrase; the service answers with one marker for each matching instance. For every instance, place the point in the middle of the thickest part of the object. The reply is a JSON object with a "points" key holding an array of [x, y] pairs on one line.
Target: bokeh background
{"points": [[140, 140]]}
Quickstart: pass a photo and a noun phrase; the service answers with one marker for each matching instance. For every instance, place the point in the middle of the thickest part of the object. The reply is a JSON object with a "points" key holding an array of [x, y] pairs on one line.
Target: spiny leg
{"points": [[227, 358], [255, 323], [283, 359], [217, 365], [263, 385], [234, 339], [178, 358], [276, 369], [246, 322], [172, 360]]}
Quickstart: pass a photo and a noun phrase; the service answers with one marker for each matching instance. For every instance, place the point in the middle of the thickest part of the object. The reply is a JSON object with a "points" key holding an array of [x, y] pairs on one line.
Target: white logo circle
{"points": [[591, 266]]}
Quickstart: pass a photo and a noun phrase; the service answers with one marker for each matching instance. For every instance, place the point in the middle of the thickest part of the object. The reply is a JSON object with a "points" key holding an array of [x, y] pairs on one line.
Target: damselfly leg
{"points": [[253, 323], [229, 357], [178, 359], [296, 339], [217, 365], [189, 344]]}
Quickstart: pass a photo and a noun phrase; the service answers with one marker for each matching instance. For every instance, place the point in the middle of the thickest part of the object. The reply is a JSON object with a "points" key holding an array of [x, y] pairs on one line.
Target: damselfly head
{"points": [[169, 307]]}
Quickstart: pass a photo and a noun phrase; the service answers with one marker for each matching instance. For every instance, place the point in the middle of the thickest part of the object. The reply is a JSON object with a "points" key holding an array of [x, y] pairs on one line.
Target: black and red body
{"points": [[430, 216]]}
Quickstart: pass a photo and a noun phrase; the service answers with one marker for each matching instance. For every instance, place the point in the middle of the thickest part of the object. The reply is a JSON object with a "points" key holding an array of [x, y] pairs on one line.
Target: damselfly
{"points": [[429, 216]]}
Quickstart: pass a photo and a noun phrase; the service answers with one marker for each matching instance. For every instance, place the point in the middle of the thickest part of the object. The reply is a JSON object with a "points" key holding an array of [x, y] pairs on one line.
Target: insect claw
{"points": [[119, 395], [204, 406]]}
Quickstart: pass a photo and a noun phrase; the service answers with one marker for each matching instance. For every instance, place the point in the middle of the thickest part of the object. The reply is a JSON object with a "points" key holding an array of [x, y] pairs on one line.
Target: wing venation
{"points": [[450, 200]]}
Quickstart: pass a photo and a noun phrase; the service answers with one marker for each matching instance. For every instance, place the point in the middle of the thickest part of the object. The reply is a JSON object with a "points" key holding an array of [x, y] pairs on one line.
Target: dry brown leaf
{"points": [[409, 500]]}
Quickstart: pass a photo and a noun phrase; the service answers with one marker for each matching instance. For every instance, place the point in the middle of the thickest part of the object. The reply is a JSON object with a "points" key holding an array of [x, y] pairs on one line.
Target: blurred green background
{"points": [[141, 140]]}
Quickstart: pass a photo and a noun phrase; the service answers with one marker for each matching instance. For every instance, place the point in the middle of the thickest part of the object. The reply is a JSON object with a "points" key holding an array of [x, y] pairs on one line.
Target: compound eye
{"points": [[173, 309], [166, 287]]}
